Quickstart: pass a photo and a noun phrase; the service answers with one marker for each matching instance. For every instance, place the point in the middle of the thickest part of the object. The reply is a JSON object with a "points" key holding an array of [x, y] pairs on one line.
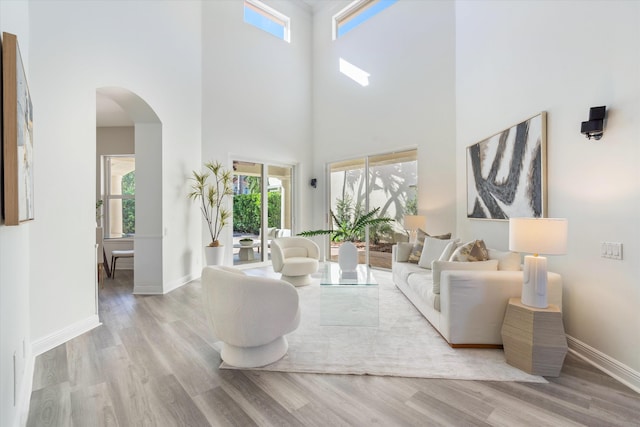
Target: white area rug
{"points": [[404, 344]]}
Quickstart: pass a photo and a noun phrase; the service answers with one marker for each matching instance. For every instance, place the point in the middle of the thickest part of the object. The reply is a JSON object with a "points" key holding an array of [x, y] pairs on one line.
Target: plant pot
{"points": [[246, 243], [214, 255]]}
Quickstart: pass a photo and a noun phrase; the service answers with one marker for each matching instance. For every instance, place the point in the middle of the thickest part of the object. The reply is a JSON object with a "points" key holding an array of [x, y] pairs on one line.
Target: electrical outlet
{"points": [[612, 250]]}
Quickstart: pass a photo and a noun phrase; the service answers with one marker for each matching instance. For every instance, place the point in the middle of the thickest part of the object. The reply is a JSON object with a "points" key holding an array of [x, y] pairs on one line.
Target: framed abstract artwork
{"points": [[506, 173], [17, 140]]}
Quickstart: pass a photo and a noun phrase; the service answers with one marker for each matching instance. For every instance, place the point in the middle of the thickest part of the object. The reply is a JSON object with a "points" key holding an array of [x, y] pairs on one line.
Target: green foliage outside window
{"points": [[129, 205], [246, 212]]}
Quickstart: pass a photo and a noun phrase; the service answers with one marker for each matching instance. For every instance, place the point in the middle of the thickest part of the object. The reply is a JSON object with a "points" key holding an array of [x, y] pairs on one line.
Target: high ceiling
{"points": [[109, 113]]}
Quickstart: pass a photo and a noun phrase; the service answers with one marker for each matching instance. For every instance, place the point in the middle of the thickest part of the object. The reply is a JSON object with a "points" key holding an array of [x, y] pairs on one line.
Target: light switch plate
{"points": [[612, 250]]}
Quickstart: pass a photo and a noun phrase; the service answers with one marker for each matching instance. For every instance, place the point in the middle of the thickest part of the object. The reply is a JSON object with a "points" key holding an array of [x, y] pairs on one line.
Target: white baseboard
{"points": [[175, 284], [610, 366], [149, 289], [24, 398], [44, 344], [154, 289]]}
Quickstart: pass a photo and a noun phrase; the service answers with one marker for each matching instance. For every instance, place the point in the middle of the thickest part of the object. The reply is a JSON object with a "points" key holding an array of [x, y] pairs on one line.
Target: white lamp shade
{"points": [[413, 222], [538, 235]]}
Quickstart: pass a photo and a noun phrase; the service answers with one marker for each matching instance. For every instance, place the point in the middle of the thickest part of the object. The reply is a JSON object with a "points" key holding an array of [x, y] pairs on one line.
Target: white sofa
{"points": [[470, 306]]}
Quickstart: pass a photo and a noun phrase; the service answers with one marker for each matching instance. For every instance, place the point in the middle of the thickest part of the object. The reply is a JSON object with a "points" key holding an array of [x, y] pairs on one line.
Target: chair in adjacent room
{"points": [[249, 314], [125, 253], [296, 258]]}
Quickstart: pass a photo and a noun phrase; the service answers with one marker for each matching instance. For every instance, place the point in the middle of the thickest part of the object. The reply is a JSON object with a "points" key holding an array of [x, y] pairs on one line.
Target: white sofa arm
{"points": [[400, 251], [473, 303]]}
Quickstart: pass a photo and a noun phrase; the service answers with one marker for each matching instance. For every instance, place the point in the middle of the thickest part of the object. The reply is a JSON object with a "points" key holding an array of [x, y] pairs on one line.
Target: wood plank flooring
{"points": [[151, 364]]}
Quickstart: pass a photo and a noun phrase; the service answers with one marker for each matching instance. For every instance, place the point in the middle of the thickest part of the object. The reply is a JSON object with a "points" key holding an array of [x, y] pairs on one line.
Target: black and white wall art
{"points": [[506, 173]]}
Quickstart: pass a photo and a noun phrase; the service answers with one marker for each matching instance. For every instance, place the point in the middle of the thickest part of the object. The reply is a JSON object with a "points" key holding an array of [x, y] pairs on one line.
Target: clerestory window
{"points": [[356, 13], [267, 19]]}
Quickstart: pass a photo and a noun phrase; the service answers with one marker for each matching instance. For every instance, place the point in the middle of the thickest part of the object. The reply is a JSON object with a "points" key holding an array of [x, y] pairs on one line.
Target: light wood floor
{"points": [[151, 364]]}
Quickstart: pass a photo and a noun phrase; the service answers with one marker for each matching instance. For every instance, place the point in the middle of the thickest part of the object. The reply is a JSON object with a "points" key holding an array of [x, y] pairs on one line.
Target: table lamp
{"points": [[538, 236], [412, 223]]}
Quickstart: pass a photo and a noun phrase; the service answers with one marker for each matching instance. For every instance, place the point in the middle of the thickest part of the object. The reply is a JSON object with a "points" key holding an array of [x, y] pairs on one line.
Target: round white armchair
{"points": [[296, 258], [249, 314]]}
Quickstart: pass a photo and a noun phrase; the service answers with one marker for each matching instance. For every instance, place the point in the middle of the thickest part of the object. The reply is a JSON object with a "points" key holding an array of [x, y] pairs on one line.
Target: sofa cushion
{"points": [[405, 269], [414, 257], [448, 251], [472, 251], [420, 284], [432, 250], [439, 266], [402, 251], [507, 260]]}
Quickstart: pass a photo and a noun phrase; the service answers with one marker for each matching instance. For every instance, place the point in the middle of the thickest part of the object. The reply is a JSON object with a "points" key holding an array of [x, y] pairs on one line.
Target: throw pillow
{"points": [[416, 251], [439, 266], [432, 250], [472, 251], [448, 251], [507, 261]]}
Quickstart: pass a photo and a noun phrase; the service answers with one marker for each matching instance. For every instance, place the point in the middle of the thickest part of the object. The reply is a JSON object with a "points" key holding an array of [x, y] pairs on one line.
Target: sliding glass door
{"points": [[386, 182], [262, 209]]}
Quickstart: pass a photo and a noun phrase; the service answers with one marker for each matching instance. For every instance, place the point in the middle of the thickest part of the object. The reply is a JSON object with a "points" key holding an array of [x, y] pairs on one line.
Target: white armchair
{"points": [[249, 314], [296, 258]]}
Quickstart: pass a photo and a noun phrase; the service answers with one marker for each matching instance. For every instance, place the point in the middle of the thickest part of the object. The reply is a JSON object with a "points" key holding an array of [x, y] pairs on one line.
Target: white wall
{"points": [[149, 48], [409, 51], [256, 102], [15, 268], [564, 57]]}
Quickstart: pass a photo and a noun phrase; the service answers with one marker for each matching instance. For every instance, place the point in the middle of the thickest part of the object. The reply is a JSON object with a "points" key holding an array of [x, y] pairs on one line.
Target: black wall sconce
{"points": [[594, 128], [314, 182]]}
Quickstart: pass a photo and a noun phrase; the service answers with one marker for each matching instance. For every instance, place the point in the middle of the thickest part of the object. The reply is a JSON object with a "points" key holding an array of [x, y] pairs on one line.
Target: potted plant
{"points": [[246, 241], [350, 225], [210, 188]]}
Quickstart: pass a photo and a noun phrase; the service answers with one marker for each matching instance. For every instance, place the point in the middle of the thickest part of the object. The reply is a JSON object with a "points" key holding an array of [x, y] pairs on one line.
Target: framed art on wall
{"points": [[506, 173], [17, 141]]}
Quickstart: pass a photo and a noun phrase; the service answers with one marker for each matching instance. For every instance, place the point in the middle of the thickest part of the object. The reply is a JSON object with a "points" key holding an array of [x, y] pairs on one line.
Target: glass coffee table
{"points": [[348, 299]]}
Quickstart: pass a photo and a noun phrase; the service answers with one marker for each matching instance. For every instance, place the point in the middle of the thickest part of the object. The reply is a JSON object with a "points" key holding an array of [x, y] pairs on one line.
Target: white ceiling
{"points": [[116, 106]]}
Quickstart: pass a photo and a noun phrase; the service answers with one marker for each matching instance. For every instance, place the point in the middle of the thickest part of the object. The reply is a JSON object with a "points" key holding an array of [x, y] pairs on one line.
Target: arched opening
{"points": [[129, 143]]}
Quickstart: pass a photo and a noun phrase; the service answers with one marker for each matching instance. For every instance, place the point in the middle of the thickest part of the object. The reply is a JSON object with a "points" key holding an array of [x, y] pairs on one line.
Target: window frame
{"points": [[352, 11], [107, 196], [271, 14]]}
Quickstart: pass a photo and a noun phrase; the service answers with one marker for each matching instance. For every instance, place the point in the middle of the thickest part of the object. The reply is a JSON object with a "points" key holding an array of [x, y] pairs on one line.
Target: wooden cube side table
{"points": [[534, 339]]}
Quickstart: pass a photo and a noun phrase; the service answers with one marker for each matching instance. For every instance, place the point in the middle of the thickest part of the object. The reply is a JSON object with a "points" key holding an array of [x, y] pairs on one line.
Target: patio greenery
{"points": [[351, 222]]}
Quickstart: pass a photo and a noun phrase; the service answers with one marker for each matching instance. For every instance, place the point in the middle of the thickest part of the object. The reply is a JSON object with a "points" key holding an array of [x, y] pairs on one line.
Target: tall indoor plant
{"points": [[210, 188]]}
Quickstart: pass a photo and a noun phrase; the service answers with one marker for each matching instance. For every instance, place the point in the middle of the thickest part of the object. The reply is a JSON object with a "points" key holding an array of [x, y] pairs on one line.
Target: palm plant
{"points": [[211, 197], [350, 223]]}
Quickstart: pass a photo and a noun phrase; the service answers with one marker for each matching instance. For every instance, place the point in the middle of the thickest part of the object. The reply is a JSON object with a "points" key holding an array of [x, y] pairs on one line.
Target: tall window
{"points": [[119, 196], [267, 19], [356, 13], [262, 208], [387, 182]]}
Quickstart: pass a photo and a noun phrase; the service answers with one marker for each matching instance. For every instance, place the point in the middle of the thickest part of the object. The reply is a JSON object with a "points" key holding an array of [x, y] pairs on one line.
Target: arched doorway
{"points": [[122, 109]]}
